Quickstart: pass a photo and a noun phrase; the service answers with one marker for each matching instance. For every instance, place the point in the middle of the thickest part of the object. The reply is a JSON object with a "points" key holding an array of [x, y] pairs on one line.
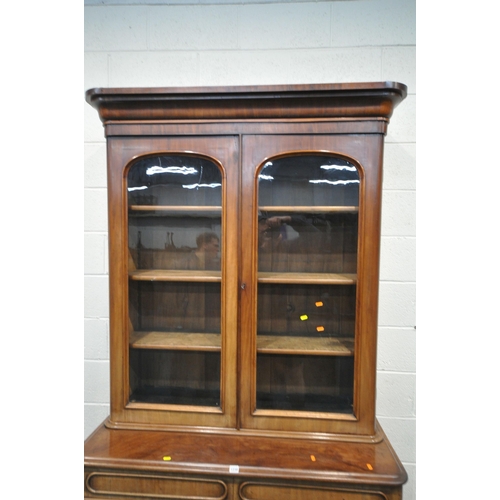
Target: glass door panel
{"points": [[306, 300], [174, 233]]}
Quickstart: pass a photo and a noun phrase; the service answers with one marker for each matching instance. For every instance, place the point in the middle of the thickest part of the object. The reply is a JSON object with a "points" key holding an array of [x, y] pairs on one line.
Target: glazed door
{"points": [[300, 328], [178, 333]]}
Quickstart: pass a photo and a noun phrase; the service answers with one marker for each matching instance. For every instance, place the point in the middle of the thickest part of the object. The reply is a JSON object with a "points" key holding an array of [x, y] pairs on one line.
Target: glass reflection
{"points": [[164, 179], [175, 213], [206, 254], [305, 383], [323, 311], [309, 180], [308, 242], [175, 242], [174, 377], [320, 234]]}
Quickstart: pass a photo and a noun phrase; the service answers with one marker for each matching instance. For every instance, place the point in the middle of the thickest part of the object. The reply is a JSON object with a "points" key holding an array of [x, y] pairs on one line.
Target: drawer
{"points": [[262, 491], [154, 486]]}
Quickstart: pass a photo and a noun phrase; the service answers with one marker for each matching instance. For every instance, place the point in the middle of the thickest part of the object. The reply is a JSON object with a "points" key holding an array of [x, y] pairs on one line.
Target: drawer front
{"points": [[155, 486], [260, 491]]}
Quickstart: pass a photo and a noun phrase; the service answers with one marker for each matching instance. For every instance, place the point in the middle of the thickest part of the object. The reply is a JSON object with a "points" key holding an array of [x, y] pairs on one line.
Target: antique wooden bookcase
{"points": [[244, 236]]}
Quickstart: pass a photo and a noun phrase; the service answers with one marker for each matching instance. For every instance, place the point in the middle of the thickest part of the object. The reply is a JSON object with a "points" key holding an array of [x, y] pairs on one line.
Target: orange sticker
{"points": [[313, 458], [319, 304], [369, 466], [320, 328]]}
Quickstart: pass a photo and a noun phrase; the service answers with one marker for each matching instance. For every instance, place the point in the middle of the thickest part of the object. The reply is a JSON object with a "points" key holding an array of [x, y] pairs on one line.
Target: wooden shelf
{"points": [[307, 278], [266, 344], [263, 277], [317, 346], [267, 208], [309, 209], [178, 341], [175, 275]]}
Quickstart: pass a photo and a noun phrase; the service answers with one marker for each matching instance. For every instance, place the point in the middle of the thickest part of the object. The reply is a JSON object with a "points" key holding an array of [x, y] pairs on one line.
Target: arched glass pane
{"points": [[307, 261], [175, 213], [308, 215], [174, 233], [174, 180]]}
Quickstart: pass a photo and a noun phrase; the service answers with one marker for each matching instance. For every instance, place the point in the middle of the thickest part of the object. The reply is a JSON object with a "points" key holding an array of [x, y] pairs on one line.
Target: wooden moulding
{"points": [[244, 456], [261, 490], [344, 100], [136, 486]]}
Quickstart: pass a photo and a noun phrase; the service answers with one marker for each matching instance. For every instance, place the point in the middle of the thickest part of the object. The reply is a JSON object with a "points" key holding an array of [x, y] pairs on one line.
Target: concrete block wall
{"points": [[237, 42]]}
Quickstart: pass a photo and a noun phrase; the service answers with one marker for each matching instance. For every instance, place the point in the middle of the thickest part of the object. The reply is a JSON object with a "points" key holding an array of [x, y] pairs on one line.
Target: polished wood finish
{"points": [[174, 275], [122, 151], [274, 101], [255, 456], [266, 463], [309, 278], [238, 449]]}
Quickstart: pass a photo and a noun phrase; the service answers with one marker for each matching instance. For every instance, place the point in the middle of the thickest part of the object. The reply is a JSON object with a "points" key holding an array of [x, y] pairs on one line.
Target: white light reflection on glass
{"points": [[171, 170], [264, 177], [339, 167], [194, 186], [138, 188], [334, 183]]}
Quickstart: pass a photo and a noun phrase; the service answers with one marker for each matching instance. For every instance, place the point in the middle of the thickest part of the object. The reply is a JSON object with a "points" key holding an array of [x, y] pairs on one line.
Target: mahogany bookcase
{"points": [[244, 241]]}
